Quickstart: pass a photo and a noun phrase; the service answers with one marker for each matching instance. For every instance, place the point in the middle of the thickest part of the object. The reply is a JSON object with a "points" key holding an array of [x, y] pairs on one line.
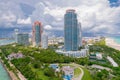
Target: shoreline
{"points": [[111, 43], [11, 75], [5, 68]]}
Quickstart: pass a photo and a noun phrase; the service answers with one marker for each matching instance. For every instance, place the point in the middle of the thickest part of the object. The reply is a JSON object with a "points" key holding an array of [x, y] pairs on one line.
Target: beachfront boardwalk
{"points": [[19, 74]]}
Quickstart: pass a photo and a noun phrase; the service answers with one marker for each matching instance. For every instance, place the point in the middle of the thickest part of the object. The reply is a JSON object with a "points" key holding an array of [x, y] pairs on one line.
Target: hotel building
{"points": [[23, 38], [36, 33], [71, 31]]}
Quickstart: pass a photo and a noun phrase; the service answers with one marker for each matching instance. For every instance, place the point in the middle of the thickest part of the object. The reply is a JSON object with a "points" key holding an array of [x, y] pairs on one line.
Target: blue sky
{"points": [[100, 16]]}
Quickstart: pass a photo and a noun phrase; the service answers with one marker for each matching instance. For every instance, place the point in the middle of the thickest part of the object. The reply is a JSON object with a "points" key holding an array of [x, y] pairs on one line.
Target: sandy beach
{"points": [[110, 42]]}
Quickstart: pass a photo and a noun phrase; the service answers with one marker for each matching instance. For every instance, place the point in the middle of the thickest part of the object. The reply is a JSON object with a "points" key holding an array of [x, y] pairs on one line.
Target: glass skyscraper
{"points": [[23, 38], [36, 32], [71, 31]]}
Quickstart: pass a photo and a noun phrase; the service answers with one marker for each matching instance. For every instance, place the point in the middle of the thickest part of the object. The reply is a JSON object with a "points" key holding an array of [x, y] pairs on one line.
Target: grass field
{"points": [[86, 75], [77, 72]]}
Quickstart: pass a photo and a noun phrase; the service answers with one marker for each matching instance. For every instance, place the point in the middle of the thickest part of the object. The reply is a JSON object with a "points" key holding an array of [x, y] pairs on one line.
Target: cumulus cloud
{"points": [[24, 21], [48, 27], [94, 15], [8, 17]]}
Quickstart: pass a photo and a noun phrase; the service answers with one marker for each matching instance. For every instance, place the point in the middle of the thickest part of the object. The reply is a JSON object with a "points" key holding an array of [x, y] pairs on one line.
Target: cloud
{"points": [[48, 27], [24, 21], [95, 15], [9, 17]]}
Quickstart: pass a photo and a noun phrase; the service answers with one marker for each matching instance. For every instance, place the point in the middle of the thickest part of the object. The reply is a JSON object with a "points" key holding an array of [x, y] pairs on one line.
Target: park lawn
{"points": [[86, 75], [40, 73], [77, 72]]}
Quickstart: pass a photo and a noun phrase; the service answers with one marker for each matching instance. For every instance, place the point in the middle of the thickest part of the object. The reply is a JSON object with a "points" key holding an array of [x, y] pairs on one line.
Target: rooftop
{"points": [[70, 10]]}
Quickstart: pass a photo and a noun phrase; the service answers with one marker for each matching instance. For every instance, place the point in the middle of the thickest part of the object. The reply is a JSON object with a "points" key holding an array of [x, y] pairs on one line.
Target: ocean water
{"points": [[3, 73], [117, 39], [5, 41]]}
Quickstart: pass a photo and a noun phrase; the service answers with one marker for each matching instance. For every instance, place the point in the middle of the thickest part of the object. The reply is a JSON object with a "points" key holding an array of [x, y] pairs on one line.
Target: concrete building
{"points": [[71, 31], [23, 38], [99, 56], [80, 35], [36, 33], [68, 72], [44, 40], [15, 56], [77, 54]]}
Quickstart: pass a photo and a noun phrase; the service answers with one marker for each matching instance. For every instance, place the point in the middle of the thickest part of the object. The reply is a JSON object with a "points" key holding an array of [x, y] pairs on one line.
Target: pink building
{"points": [[36, 33]]}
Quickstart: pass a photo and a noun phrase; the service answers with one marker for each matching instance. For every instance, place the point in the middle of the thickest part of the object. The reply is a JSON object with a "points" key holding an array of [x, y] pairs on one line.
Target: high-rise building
{"points": [[80, 35], [71, 31], [23, 38], [44, 40], [36, 33]]}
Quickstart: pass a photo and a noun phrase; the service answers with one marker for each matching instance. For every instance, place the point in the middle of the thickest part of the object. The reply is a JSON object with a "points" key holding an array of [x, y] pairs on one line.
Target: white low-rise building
{"points": [[112, 61], [44, 41], [68, 70], [55, 40], [77, 54], [99, 56], [15, 56]]}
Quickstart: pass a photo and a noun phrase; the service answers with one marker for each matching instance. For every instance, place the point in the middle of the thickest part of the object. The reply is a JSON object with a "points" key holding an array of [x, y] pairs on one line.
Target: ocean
{"points": [[6, 41], [3, 73], [116, 39]]}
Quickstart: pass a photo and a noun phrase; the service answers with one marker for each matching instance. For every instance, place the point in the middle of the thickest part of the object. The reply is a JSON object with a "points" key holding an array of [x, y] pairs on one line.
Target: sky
{"points": [[96, 16]]}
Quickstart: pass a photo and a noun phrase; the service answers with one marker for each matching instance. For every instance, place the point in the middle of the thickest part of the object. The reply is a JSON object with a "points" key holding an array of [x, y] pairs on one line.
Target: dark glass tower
{"points": [[71, 31]]}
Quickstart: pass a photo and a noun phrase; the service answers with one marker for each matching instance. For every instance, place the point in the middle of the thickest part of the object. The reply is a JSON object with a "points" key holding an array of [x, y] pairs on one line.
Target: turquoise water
{"points": [[117, 39], [5, 41], [3, 73]]}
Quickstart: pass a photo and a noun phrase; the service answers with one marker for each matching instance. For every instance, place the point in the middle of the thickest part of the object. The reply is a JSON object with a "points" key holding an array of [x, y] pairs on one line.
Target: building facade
{"points": [[44, 41], [23, 38], [80, 35], [71, 31], [36, 33]]}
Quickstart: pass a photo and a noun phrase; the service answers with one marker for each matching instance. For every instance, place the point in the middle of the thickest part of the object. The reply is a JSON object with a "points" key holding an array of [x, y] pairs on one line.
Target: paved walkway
{"points": [[100, 67], [19, 74], [81, 74]]}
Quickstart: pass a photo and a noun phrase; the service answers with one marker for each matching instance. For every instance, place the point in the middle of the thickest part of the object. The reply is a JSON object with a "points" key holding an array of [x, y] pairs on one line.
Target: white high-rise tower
{"points": [[44, 40], [80, 35]]}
